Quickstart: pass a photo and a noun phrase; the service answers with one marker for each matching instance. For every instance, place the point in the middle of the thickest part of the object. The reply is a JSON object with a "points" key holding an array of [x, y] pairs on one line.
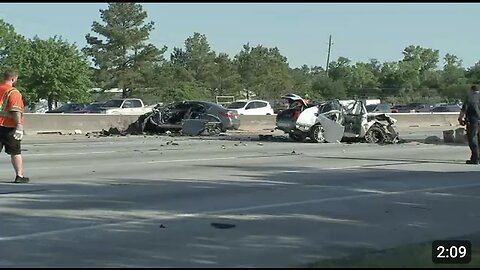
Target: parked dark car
{"points": [[92, 108], [412, 108], [69, 108], [378, 108], [172, 116], [447, 108]]}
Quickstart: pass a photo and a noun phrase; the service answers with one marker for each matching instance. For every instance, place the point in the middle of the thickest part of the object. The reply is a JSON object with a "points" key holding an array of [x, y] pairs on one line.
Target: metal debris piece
{"points": [[222, 225]]}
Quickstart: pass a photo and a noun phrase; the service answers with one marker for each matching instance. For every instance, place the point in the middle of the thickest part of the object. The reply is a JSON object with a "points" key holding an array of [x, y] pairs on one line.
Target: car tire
{"points": [[375, 135], [316, 134]]}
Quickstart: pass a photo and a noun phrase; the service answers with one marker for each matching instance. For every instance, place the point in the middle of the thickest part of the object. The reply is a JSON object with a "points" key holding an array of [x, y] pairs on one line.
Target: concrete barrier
{"points": [[257, 122], [36, 123], [426, 120]]}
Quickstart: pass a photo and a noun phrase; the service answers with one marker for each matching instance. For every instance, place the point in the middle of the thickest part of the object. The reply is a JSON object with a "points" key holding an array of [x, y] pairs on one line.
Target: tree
{"points": [[362, 81], [60, 71], [453, 71], [453, 83], [264, 71], [123, 53], [227, 79], [325, 88], [473, 73], [303, 80], [199, 61], [422, 59], [14, 53], [340, 69]]}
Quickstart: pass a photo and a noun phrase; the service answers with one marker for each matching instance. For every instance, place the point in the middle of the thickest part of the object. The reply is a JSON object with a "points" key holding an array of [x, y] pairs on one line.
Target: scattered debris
{"points": [[266, 137], [50, 132], [432, 140], [460, 135], [272, 138], [448, 136], [222, 225]]}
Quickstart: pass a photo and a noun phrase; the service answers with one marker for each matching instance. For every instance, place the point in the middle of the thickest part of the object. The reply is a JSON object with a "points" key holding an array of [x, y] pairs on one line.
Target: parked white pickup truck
{"points": [[127, 106]]}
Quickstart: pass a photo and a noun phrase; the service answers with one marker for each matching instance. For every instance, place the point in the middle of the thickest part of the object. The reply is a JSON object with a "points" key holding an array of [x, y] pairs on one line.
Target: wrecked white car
{"points": [[332, 121]]}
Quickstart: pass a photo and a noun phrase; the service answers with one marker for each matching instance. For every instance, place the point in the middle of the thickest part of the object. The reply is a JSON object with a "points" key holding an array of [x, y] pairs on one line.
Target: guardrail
{"points": [[37, 123]]}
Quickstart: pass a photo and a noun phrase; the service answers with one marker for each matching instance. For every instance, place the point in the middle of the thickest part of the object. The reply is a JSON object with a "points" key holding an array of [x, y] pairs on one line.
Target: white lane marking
{"points": [[410, 204], [70, 154], [191, 160], [119, 164], [229, 210]]}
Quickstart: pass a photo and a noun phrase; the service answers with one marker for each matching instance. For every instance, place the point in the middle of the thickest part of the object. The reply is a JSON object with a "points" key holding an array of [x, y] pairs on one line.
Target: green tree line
{"points": [[118, 55]]}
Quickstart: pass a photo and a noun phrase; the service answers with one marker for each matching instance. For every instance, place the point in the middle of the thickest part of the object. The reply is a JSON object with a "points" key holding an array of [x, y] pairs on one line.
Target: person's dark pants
{"points": [[12, 146], [473, 138]]}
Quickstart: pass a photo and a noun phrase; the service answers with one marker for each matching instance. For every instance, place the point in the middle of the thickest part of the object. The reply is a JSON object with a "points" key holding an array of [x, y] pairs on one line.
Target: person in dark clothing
{"points": [[470, 116]]}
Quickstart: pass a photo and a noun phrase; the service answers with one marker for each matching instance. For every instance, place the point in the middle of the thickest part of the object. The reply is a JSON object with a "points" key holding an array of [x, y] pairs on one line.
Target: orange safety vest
{"points": [[6, 117]]}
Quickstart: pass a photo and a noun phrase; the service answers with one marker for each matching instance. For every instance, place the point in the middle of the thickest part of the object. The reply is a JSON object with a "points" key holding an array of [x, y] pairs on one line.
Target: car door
{"points": [[261, 108], [354, 119], [126, 107], [137, 107], [250, 108]]}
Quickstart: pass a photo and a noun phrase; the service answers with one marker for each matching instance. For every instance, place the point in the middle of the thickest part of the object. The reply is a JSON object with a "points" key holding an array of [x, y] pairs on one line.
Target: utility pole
{"points": [[328, 55]]}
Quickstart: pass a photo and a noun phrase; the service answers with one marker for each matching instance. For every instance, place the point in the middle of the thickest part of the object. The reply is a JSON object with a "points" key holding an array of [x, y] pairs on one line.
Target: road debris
{"points": [[222, 225]]}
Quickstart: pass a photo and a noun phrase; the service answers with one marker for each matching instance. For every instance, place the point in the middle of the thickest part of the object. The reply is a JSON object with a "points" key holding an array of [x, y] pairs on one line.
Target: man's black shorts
{"points": [[12, 146]]}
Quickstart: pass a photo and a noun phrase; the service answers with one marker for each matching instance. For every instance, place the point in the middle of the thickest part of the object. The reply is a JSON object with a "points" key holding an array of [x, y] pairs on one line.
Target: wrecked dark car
{"points": [[332, 121], [189, 118]]}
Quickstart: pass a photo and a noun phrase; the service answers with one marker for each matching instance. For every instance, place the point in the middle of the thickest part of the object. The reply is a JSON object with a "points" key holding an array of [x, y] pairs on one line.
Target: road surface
{"points": [[148, 202]]}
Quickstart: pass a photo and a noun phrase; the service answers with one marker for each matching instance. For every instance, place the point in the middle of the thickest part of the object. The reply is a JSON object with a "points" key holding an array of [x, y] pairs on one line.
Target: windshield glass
{"points": [[113, 103], [370, 108], [236, 105]]}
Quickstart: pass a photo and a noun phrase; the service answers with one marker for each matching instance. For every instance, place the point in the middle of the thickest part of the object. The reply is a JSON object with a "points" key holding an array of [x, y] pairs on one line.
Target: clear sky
{"points": [[300, 31]]}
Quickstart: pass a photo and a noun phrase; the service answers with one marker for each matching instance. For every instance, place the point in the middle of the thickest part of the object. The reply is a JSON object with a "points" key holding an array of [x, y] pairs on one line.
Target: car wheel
{"points": [[222, 128], [375, 135], [316, 134]]}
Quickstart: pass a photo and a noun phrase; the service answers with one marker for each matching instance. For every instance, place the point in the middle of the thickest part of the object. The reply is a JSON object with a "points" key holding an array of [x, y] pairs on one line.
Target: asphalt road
{"points": [[145, 202]]}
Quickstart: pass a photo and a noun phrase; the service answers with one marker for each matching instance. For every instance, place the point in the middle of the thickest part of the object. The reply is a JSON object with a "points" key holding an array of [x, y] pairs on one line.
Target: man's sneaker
{"points": [[471, 162], [19, 179]]}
